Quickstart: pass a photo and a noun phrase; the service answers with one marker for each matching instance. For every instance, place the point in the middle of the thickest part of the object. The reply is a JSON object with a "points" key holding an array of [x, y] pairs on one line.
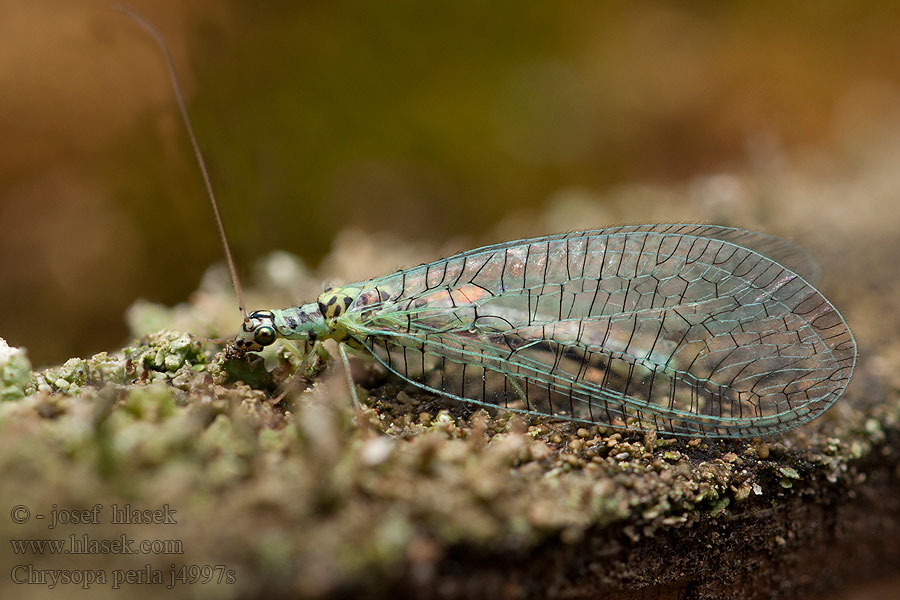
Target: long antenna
{"points": [[182, 107]]}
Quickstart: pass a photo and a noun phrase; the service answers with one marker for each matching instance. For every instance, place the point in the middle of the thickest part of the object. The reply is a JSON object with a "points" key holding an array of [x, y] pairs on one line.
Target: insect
{"points": [[694, 330]]}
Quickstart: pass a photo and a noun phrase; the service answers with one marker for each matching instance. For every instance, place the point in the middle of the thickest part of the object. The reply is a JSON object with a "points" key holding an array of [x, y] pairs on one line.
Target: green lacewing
{"points": [[695, 330]]}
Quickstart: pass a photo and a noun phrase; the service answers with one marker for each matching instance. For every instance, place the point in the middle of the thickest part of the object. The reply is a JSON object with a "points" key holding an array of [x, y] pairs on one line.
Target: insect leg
{"points": [[307, 357], [295, 350], [361, 420], [301, 370], [349, 375], [519, 391]]}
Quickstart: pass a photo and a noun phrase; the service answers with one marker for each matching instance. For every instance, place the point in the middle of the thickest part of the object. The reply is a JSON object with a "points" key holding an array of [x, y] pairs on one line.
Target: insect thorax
{"points": [[333, 303], [317, 320]]}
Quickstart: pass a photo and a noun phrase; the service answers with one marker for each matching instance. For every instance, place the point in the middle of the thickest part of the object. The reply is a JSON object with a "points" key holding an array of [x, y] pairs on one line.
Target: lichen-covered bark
{"points": [[425, 496]]}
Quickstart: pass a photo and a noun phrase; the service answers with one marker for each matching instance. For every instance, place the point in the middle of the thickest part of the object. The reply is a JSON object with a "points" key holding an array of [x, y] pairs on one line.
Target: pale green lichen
{"points": [[299, 494], [166, 355], [15, 371]]}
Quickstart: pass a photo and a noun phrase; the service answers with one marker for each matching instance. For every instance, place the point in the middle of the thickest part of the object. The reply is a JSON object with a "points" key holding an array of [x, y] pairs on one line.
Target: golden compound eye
{"points": [[264, 335]]}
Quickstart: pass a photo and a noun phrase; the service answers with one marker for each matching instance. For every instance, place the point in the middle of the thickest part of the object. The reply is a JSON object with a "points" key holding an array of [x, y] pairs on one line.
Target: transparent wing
{"points": [[679, 328]]}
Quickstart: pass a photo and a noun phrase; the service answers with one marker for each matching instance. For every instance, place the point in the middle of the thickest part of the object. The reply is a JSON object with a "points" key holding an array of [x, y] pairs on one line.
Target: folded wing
{"points": [[686, 329]]}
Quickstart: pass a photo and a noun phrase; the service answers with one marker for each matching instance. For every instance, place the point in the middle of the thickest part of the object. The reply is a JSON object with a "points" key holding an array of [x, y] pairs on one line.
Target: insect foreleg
{"points": [[307, 357], [296, 351]]}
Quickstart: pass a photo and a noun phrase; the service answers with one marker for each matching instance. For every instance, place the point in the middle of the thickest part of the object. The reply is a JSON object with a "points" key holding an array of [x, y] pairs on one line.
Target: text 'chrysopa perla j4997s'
{"points": [[694, 330]]}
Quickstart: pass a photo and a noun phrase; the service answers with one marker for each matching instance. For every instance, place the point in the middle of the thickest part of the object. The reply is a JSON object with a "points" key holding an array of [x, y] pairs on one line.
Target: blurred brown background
{"points": [[428, 123]]}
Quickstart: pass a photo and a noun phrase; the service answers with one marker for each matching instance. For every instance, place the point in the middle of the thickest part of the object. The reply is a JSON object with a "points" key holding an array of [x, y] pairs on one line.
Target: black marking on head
{"points": [[336, 311], [331, 301], [347, 301]]}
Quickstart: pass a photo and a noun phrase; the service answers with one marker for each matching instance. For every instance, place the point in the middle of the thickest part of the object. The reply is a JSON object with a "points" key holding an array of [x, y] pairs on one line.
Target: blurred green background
{"points": [[423, 120]]}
